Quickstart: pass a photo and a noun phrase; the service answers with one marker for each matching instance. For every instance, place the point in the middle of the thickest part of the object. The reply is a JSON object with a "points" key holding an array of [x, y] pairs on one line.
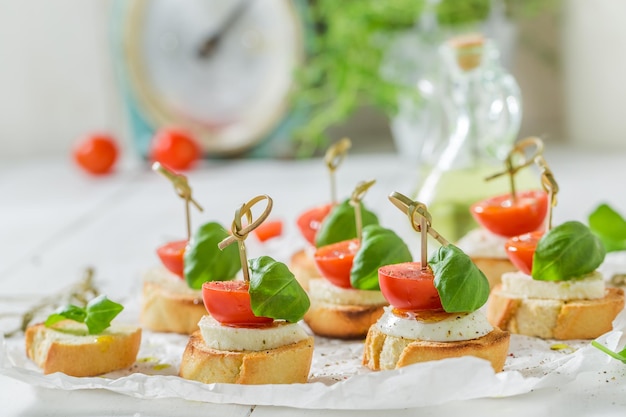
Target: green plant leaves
{"points": [[275, 292], [379, 247], [462, 287], [609, 226], [204, 261], [97, 315], [340, 224], [567, 252]]}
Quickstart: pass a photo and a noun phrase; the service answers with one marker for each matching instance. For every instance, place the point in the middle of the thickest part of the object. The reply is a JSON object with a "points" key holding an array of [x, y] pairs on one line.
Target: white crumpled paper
{"points": [[338, 380]]}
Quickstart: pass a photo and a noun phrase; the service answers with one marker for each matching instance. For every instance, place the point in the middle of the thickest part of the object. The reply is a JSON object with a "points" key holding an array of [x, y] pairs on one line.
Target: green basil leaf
{"points": [[609, 226], [340, 224], [462, 287], [379, 247], [100, 312], [70, 312], [275, 292], [204, 261], [567, 252]]}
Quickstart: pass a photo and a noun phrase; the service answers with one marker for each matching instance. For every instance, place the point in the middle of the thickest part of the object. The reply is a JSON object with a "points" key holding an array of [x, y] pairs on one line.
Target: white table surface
{"points": [[55, 221]]}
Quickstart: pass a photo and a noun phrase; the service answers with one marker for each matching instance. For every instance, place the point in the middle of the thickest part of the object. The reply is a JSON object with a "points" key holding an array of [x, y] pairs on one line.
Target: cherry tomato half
{"points": [[174, 148], [96, 153], [269, 230], [501, 216], [309, 222], [334, 261], [521, 249], [407, 287], [172, 256], [229, 303]]}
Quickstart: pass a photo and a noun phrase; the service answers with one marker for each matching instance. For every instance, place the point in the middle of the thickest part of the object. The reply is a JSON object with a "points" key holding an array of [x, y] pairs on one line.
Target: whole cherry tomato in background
{"points": [[504, 217], [229, 303], [96, 153], [175, 148], [521, 249], [409, 287]]}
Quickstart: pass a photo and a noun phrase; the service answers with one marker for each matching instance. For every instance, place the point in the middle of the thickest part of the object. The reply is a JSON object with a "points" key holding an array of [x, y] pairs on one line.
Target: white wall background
{"points": [[57, 82], [56, 77]]}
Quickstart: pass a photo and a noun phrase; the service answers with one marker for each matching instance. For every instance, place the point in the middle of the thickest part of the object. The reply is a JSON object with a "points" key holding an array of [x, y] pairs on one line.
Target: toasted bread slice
{"points": [[303, 267], [383, 352], [284, 365], [342, 321], [67, 347], [493, 268], [555, 319], [168, 304]]}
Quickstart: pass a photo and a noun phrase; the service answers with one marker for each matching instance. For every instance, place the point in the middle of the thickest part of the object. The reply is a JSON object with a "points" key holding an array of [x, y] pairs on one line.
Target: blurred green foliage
{"points": [[342, 71]]}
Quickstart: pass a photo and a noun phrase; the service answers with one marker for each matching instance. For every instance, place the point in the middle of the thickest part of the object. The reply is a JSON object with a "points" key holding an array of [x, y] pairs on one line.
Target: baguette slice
{"points": [[342, 321], [555, 319], [283, 365], [67, 348], [168, 304], [389, 352], [303, 267]]}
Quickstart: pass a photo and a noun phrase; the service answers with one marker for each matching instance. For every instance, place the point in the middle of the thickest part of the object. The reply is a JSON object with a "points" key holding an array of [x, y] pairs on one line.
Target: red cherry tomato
{"points": [[174, 148], [309, 222], [334, 261], [269, 230], [521, 249], [96, 153], [501, 216], [229, 303], [172, 255], [407, 287]]}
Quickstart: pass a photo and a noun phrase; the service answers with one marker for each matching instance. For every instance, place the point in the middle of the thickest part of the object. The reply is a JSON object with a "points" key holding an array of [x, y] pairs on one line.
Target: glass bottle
{"points": [[481, 106]]}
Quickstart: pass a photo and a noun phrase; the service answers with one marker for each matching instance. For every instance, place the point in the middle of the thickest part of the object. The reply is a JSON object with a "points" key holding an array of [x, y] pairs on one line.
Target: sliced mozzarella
{"points": [[323, 291], [217, 336], [451, 328], [520, 285], [169, 282], [480, 243]]}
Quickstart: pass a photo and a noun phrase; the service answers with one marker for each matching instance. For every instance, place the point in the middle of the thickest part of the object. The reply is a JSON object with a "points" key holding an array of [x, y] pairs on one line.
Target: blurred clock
{"points": [[221, 69]]}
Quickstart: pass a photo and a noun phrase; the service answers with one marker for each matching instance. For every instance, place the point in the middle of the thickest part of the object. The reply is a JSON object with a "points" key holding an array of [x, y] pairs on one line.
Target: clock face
{"points": [[222, 69]]}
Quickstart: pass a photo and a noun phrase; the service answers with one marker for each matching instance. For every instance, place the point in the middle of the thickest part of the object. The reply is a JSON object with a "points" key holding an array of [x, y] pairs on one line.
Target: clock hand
{"points": [[209, 45]]}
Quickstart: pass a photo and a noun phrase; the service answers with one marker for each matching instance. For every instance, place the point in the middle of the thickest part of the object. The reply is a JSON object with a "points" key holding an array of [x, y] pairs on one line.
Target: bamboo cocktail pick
{"points": [[517, 159], [421, 221], [181, 185], [334, 157], [355, 201], [240, 233]]}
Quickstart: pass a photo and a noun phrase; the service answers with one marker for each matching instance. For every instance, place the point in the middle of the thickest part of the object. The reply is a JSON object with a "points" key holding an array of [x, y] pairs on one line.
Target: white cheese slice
{"points": [[321, 290], [220, 337], [480, 243], [453, 328], [520, 285]]}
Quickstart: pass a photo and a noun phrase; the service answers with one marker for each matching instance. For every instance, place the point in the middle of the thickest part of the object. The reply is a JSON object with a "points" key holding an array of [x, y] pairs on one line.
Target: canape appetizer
{"points": [[171, 294], [434, 312], [309, 222], [347, 299], [81, 341], [557, 292], [251, 335], [504, 216]]}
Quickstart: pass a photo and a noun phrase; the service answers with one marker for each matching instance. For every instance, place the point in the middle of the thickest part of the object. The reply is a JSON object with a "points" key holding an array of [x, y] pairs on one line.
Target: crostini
{"points": [[434, 306], [82, 342], [251, 335]]}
